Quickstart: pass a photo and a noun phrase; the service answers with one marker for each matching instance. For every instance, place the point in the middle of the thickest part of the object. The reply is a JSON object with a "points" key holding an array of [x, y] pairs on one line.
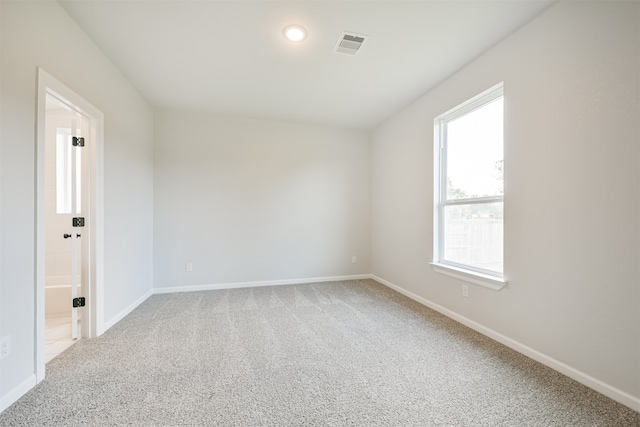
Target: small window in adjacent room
{"points": [[469, 188], [64, 169]]}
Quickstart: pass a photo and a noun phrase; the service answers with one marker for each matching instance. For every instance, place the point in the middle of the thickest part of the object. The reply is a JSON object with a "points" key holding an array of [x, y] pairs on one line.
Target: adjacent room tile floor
{"points": [[57, 336]]}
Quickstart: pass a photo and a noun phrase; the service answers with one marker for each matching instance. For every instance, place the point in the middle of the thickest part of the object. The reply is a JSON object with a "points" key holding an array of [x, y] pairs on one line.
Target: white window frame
{"points": [[470, 274]]}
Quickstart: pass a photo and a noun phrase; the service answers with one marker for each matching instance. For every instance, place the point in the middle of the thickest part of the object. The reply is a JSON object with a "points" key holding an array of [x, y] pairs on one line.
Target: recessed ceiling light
{"points": [[295, 33]]}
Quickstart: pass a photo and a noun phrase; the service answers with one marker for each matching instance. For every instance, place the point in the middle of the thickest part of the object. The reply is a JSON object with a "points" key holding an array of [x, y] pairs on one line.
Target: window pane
{"points": [[64, 177], [475, 153], [63, 171], [473, 235]]}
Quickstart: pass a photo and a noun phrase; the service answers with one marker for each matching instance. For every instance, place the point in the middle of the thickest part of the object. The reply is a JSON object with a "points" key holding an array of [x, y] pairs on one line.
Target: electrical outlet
{"points": [[465, 291], [5, 346], [189, 267], [354, 259]]}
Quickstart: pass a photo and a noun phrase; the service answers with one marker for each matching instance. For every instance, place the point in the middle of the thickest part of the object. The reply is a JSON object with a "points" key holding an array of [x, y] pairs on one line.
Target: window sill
{"points": [[484, 280]]}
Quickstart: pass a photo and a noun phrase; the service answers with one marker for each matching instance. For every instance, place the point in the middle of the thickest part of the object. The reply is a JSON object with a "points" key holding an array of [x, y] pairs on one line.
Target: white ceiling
{"points": [[230, 57]]}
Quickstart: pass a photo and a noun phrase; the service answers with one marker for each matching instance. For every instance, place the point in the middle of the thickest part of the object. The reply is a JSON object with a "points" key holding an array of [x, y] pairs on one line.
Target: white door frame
{"points": [[93, 315]]}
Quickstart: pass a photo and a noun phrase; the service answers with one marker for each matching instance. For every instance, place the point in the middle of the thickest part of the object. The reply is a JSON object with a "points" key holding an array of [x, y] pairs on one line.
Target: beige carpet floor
{"points": [[329, 354]]}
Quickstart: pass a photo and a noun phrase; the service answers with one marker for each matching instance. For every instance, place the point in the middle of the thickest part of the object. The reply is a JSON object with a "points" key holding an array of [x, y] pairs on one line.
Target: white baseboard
{"points": [[19, 391], [235, 285], [620, 396], [118, 317]]}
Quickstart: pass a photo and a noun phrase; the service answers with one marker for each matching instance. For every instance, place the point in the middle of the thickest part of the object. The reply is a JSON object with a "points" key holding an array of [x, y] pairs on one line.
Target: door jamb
{"points": [[95, 303]]}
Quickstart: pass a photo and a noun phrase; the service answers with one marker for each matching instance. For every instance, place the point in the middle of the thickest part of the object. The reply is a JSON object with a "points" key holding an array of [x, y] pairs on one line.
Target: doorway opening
{"points": [[65, 193], [69, 220]]}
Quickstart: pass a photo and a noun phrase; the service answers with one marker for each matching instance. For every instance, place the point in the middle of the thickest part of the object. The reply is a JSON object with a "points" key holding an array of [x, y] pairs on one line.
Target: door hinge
{"points": [[78, 302], [77, 141], [78, 222]]}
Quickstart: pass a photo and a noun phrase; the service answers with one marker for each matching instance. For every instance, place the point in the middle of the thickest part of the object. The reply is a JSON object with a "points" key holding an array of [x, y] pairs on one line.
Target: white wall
{"points": [[571, 191], [257, 200], [42, 34]]}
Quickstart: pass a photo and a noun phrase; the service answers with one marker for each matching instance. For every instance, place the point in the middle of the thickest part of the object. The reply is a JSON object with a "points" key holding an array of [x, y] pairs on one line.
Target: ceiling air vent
{"points": [[350, 43]]}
